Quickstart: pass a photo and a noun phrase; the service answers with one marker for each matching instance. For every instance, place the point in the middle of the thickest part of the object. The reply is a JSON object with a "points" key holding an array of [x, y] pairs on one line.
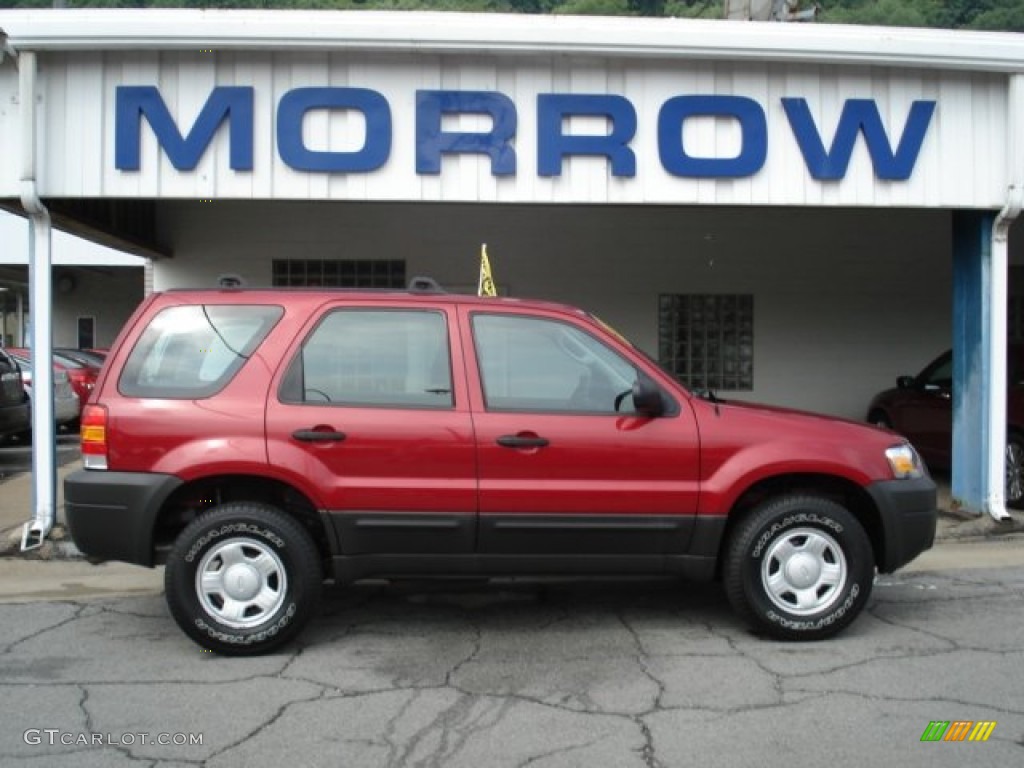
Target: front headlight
{"points": [[904, 461]]}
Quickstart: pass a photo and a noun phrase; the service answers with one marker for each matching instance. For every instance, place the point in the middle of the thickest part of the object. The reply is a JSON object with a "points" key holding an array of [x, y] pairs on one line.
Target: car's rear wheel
{"points": [[243, 579], [799, 568], [1015, 470]]}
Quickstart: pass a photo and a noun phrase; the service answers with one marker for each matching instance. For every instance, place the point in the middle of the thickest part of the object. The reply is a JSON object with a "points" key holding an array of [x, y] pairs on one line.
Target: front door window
{"points": [[545, 366]]}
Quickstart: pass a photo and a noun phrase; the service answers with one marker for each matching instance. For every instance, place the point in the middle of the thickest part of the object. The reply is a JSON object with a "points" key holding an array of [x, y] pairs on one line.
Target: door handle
{"points": [[522, 441], [318, 436]]}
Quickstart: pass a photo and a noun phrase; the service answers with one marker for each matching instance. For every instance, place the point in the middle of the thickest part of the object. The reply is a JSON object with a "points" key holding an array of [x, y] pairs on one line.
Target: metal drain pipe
{"points": [[44, 450]]}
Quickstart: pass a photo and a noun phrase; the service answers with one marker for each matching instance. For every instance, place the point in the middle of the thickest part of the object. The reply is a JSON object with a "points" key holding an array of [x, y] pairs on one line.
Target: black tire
{"points": [[1014, 470], [276, 568], [794, 549]]}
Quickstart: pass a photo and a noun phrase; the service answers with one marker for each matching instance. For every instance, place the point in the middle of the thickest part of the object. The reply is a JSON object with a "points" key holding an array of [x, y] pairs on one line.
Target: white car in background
{"points": [[65, 402]]}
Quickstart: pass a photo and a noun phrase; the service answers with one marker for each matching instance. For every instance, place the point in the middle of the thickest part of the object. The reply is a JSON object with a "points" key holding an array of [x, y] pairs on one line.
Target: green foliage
{"points": [[953, 14], [694, 9], [647, 7], [1007, 15], [594, 7], [886, 13]]}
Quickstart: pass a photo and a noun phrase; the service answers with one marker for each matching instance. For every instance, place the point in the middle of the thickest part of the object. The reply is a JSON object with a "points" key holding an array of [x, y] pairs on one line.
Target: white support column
{"points": [[44, 449], [995, 426]]}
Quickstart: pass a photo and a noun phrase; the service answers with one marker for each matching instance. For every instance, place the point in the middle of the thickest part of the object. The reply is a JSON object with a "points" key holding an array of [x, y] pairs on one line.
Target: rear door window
{"points": [[385, 358], [194, 351]]}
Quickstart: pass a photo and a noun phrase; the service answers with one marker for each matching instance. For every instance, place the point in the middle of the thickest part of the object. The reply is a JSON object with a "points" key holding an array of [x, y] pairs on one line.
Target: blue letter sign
{"points": [[753, 142], [231, 103], [234, 105], [859, 116], [432, 141], [293, 108], [553, 145]]}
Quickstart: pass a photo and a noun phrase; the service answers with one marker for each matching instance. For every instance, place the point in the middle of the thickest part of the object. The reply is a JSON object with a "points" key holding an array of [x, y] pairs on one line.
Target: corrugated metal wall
{"points": [[962, 161]]}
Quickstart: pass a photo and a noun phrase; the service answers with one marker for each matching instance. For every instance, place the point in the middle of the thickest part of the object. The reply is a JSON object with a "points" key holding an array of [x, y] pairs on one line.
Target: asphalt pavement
{"points": [[545, 673], [602, 674]]}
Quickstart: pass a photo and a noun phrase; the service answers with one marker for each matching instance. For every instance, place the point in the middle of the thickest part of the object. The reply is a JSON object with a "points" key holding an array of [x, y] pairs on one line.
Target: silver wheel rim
{"points": [[1014, 471], [804, 571], [241, 583]]}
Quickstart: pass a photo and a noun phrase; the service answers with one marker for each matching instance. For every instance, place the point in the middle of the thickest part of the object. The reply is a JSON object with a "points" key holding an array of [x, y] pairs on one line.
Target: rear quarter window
{"points": [[194, 351]]}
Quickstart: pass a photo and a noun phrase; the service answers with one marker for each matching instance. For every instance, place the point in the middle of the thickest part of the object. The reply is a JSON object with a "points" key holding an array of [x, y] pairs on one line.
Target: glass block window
{"points": [[339, 273], [707, 341]]}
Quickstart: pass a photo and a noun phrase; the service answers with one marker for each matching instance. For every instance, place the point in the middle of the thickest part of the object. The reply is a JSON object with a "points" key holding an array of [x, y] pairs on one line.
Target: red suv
{"points": [[260, 442]]}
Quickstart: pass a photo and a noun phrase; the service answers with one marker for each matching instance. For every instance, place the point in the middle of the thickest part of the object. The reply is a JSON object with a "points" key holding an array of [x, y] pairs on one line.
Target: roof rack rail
{"points": [[421, 284]]}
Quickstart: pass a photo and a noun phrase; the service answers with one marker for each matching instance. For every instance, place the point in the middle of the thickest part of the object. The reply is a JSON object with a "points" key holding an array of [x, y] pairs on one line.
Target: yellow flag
{"points": [[486, 284]]}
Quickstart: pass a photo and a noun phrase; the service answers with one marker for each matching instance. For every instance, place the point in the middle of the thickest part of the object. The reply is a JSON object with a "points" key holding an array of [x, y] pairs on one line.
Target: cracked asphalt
{"points": [[651, 674]]}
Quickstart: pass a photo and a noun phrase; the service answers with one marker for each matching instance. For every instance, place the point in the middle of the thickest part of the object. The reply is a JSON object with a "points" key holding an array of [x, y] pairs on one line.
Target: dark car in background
{"points": [[15, 414], [921, 409]]}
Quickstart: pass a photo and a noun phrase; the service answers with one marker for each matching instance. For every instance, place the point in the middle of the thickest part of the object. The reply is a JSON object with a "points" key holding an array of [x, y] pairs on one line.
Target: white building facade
{"points": [[775, 211]]}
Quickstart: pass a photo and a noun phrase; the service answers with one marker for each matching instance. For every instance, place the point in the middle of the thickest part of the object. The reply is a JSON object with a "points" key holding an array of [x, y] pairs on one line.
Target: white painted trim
{"points": [[995, 428], [523, 34]]}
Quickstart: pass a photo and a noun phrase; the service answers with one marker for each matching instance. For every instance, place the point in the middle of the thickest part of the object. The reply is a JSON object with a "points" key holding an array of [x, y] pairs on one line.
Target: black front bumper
{"points": [[111, 515], [909, 510]]}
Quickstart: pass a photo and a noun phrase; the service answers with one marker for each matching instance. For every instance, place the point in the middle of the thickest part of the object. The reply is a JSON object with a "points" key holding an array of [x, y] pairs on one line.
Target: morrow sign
{"points": [[234, 105]]}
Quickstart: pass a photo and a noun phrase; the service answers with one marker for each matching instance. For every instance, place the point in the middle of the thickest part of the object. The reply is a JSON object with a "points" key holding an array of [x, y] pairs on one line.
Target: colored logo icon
{"points": [[958, 730]]}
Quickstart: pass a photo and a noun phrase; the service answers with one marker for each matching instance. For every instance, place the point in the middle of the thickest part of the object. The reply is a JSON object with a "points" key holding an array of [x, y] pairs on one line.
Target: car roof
{"points": [[362, 295]]}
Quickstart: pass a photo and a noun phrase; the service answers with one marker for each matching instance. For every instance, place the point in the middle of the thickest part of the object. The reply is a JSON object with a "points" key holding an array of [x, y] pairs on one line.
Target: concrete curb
{"points": [[960, 526], [16, 505], [57, 546]]}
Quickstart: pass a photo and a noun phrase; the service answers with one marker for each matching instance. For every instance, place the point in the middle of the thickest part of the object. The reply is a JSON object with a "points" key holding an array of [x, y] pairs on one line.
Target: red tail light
{"points": [[94, 436]]}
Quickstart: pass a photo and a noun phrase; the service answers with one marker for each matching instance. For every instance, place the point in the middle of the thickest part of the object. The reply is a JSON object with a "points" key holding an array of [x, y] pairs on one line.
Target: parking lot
{"points": [[16, 457], [543, 674], [548, 673]]}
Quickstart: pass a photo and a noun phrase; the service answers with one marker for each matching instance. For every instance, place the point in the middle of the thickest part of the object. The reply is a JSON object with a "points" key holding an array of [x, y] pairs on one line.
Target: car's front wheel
{"points": [[243, 579], [799, 568]]}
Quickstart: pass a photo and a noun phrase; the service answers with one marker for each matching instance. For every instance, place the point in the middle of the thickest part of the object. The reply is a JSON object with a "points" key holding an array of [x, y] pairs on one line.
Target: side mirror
{"points": [[647, 398], [905, 382]]}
